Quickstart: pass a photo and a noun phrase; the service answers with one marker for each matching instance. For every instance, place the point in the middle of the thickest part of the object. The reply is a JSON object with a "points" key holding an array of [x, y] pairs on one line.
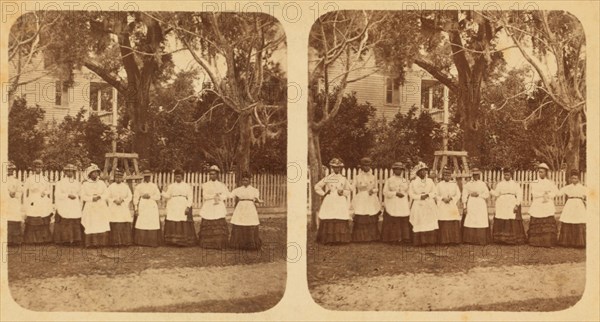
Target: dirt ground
{"points": [[149, 279], [371, 276]]}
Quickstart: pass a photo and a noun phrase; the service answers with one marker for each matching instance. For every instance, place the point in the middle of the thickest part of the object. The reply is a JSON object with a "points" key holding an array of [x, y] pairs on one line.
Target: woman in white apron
{"points": [[447, 195], [118, 196], [38, 207], [67, 223], [366, 204], [334, 214], [244, 222], [396, 226], [508, 224], [214, 230], [13, 190], [147, 221], [95, 215], [573, 216], [542, 230], [476, 227], [179, 227], [423, 210]]}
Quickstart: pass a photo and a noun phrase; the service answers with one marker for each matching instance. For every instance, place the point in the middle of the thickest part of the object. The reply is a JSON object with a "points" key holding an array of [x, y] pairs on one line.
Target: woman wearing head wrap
{"points": [[573, 216], [476, 229], [508, 223], [447, 195], [95, 215], [396, 226], [334, 214], [542, 224], [244, 222], [423, 210], [179, 227], [67, 226], [118, 196], [13, 189], [214, 231], [366, 204], [38, 207], [147, 223]]}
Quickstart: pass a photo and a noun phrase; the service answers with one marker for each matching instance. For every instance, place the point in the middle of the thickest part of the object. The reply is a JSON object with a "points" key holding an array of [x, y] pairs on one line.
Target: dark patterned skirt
{"points": [[334, 231], [15, 234], [365, 228], [37, 230], [144, 237], [180, 233], [97, 240], [508, 231], [67, 230], [572, 235], [450, 232], [395, 229], [245, 237], [542, 231], [121, 234], [214, 233], [423, 238], [476, 236]]}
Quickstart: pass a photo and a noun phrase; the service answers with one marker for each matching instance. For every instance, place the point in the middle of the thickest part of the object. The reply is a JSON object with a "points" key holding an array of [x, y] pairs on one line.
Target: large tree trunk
{"points": [[139, 106], [244, 145], [316, 173], [574, 143]]}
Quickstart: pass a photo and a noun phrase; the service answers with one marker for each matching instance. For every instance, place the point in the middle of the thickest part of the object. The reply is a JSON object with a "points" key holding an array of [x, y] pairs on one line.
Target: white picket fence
{"points": [[272, 187], [491, 177]]}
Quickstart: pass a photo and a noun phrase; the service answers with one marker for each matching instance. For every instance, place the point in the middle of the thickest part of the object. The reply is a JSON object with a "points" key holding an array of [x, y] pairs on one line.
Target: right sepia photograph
{"points": [[447, 160]]}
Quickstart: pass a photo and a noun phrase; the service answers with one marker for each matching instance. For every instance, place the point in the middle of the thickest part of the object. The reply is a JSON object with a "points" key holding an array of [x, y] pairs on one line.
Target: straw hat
{"points": [[543, 166], [92, 168], [420, 166], [118, 173], [214, 168], [475, 171], [398, 165], [146, 173], [335, 162], [38, 162], [69, 167], [366, 161]]}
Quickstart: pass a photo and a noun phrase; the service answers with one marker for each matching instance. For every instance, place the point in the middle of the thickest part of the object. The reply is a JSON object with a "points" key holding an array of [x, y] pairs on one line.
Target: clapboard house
{"points": [[60, 96]]}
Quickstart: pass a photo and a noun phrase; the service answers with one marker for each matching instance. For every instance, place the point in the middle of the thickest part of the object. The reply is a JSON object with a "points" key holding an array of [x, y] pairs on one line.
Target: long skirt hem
{"points": [[68, 231], [395, 229], [508, 231], [245, 237], [572, 235], [450, 232], [423, 238], [15, 234], [97, 240], [542, 232], [37, 230], [365, 228], [214, 233], [150, 238], [334, 231], [476, 236], [180, 233], [121, 234]]}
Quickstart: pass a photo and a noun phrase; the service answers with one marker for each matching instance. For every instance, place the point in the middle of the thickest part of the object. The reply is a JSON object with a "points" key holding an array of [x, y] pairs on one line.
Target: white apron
{"points": [[13, 204], [423, 213], [119, 191], [541, 207], [334, 206], [363, 203], [245, 213], [66, 207], [148, 216], [477, 213], [574, 211], [394, 205], [179, 197], [37, 205], [95, 214], [214, 194], [509, 195], [448, 211]]}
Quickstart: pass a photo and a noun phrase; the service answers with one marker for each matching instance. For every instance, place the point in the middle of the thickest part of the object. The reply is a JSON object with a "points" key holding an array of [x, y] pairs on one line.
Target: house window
{"points": [[392, 91], [100, 97], [432, 94], [61, 94]]}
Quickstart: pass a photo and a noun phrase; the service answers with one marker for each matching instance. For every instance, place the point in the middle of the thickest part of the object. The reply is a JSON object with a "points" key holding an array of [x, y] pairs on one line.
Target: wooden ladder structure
{"points": [[129, 162], [456, 160]]}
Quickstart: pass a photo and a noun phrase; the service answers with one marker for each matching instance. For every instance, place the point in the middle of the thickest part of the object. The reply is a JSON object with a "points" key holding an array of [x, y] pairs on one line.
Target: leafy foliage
{"points": [[25, 138]]}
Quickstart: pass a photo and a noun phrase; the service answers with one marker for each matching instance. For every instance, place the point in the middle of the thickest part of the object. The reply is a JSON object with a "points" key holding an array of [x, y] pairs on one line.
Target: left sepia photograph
{"points": [[146, 167]]}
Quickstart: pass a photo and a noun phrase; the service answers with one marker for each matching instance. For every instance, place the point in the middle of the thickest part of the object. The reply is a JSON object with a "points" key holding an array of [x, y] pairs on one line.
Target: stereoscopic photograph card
{"points": [[299, 161]]}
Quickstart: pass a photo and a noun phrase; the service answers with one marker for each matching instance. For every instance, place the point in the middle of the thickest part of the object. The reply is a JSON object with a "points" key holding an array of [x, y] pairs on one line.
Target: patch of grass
{"points": [[534, 305], [247, 305], [329, 263], [31, 261]]}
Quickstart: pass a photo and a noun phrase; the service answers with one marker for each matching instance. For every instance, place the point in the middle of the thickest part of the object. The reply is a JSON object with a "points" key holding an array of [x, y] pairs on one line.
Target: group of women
{"points": [[423, 212], [95, 215]]}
